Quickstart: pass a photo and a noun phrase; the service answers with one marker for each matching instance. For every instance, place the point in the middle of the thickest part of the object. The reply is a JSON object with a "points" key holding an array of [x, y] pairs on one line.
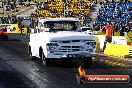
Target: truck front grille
{"points": [[70, 49], [69, 45]]}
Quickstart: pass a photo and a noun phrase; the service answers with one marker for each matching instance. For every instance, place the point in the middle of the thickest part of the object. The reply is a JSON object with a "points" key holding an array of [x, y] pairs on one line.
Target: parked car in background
{"points": [[88, 30], [3, 33]]}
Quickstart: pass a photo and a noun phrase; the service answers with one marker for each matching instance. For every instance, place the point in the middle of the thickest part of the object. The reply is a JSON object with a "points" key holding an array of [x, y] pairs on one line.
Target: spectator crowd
{"points": [[117, 13], [64, 8]]}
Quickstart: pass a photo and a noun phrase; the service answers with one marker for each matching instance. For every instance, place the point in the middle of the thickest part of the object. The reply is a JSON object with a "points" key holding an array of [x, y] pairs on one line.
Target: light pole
{"points": [[3, 7], [64, 9]]}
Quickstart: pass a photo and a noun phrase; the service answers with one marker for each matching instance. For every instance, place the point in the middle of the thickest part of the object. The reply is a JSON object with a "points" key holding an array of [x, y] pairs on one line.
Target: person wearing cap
{"points": [[108, 35]]}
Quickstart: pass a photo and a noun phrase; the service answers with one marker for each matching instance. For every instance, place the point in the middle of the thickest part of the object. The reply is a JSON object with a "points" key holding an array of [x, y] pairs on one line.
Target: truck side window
{"points": [[78, 26]]}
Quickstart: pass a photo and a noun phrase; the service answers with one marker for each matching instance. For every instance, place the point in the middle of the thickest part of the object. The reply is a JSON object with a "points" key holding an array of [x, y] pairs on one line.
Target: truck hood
{"points": [[66, 35]]}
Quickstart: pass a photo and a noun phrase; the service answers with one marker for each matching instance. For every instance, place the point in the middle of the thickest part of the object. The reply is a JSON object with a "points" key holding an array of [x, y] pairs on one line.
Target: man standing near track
{"points": [[20, 26], [108, 35]]}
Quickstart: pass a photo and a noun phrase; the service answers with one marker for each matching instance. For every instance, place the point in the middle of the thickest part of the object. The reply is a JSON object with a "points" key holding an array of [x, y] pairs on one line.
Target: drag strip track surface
{"points": [[18, 71]]}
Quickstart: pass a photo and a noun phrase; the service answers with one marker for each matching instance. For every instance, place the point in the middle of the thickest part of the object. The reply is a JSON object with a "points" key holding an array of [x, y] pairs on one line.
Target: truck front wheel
{"points": [[44, 60]]}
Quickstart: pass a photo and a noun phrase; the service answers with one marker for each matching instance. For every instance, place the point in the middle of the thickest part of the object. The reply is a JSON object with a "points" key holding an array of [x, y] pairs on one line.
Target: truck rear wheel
{"points": [[30, 54]]}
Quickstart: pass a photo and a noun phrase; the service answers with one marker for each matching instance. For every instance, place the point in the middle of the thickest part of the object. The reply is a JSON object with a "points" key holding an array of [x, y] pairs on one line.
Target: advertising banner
{"points": [[13, 28]]}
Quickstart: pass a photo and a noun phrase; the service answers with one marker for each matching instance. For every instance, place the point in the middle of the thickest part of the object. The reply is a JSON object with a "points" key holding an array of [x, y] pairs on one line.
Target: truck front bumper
{"points": [[71, 55]]}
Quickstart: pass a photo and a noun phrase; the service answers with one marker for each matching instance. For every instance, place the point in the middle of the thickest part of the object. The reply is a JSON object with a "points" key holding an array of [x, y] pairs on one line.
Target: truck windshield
{"points": [[63, 25]]}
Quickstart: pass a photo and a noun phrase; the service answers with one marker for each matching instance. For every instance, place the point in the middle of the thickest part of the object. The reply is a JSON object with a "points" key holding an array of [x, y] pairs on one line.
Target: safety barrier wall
{"points": [[13, 28], [100, 32], [129, 41], [116, 34], [97, 44], [115, 40], [118, 50]]}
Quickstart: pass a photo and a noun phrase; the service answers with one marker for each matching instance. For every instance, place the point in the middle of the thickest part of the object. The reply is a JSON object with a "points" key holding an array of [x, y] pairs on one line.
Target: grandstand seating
{"points": [[56, 8], [119, 13]]}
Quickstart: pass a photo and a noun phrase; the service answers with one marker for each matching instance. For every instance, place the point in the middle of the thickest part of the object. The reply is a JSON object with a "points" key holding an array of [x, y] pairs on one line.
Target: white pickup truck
{"points": [[60, 38]]}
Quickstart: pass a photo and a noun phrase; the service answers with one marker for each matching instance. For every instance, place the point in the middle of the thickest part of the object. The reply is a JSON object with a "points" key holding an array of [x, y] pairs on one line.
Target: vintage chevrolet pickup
{"points": [[60, 38]]}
